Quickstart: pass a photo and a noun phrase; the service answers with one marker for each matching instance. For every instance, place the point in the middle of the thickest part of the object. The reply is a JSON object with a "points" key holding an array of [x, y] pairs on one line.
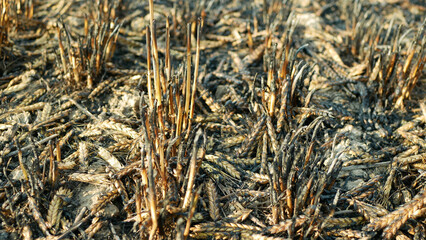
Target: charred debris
{"points": [[212, 119]]}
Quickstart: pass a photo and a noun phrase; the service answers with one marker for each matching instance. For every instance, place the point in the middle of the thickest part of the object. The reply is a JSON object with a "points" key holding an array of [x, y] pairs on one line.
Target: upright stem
{"points": [[155, 53], [197, 61], [168, 61], [188, 74], [148, 62]]}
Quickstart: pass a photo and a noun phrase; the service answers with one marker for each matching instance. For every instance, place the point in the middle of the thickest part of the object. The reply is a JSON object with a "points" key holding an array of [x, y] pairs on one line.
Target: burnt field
{"points": [[216, 119]]}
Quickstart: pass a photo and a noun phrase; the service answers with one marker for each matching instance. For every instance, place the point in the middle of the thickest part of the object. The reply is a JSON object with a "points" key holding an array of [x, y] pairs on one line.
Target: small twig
{"points": [[31, 145], [74, 227], [84, 110]]}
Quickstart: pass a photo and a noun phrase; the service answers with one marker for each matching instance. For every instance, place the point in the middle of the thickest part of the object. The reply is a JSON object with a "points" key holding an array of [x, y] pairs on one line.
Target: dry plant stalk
{"points": [[156, 66], [193, 168], [192, 211], [194, 85], [148, 63], [99, 43]]}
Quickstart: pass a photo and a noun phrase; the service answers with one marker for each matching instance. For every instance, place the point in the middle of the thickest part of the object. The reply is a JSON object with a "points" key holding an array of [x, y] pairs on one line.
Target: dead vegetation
{"points": [[212, 119]]}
